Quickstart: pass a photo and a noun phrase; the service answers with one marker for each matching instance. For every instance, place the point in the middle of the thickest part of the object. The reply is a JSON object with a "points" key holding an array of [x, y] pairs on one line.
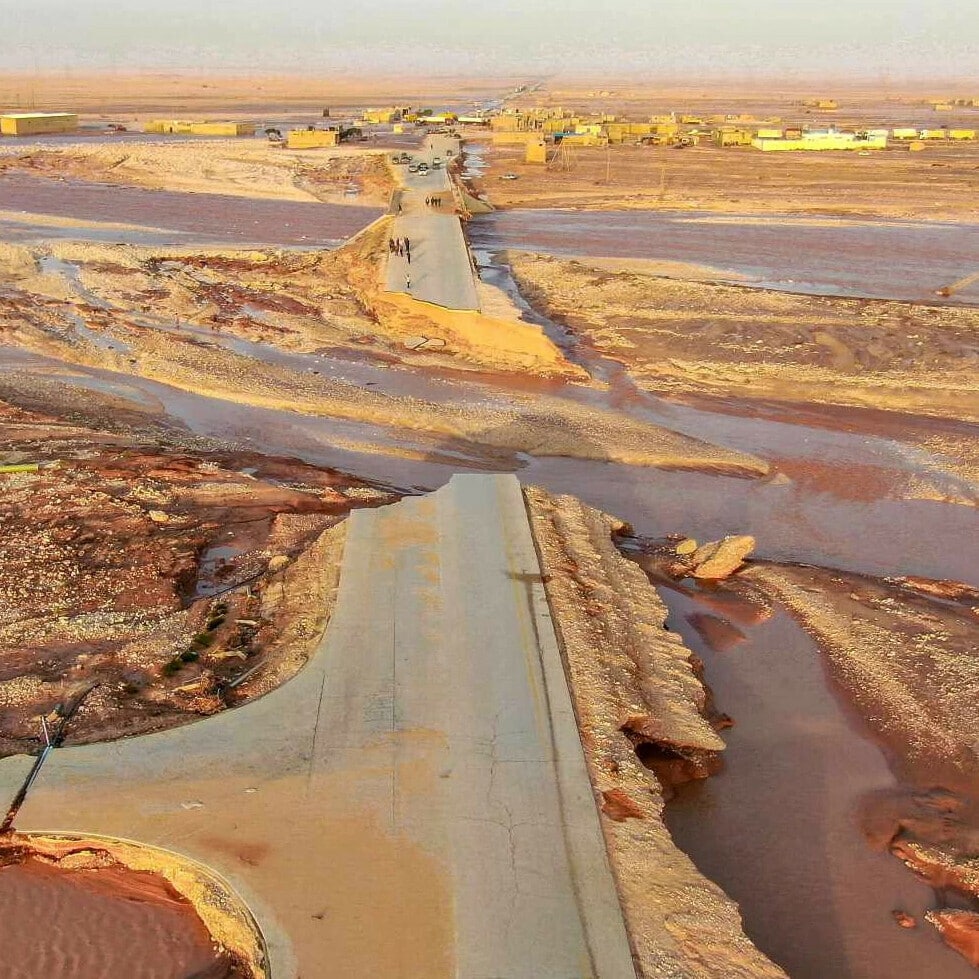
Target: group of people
{"points": [[400, 246], [433, 201]]}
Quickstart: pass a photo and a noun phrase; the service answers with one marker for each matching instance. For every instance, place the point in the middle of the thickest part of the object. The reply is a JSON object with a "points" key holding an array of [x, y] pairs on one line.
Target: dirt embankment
{"points": [[723, 340], [153, 585], [236, 168], [937, 185], [640, 709]]}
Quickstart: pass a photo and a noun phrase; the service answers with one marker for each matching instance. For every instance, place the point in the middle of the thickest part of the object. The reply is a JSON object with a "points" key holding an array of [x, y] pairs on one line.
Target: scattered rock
{"points": [[960, 930], [713, 561], [904, 919], [278, 562], [415, 343], [618, 806], [158, 516]]}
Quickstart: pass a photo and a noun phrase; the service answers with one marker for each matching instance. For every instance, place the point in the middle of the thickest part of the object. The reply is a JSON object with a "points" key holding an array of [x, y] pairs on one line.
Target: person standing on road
{"points": [[407, 282]]}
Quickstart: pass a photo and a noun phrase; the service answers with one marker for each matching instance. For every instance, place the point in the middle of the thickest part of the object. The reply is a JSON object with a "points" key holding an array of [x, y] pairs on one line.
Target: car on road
{"points": [[423, 168], [412, 168], [437, 163], [510, 176]]}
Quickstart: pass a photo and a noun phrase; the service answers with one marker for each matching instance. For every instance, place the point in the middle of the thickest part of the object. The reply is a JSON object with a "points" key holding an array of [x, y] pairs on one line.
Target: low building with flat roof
{"points": [[37, 123], [311, 139]]}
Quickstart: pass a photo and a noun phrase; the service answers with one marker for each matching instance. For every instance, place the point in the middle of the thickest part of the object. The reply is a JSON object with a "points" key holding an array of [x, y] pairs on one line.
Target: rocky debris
{"points": [[687, 546], [278, 562], [636, 692], [672, 761], [960, 930], [617, 805], [715, 560], [94, 594], [904, 919]]}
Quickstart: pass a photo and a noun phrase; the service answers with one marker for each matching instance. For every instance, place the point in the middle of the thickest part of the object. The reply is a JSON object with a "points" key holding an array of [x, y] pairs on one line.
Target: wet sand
{"points": [[91, 924], [190, 218]]}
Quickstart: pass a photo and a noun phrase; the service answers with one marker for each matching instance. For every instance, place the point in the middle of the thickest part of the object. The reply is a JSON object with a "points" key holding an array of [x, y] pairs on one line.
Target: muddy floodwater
{"points": [[777, 828], [167, 217], [100, 924], [907, 260]]}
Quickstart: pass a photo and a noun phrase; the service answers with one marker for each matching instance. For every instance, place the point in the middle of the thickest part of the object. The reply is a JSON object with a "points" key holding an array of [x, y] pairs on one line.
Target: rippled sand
{"points": [[94, 924]]}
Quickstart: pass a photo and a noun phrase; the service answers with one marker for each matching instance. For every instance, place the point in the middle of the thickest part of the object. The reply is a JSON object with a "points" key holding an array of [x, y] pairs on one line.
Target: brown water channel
{"points": [[777, 827]]}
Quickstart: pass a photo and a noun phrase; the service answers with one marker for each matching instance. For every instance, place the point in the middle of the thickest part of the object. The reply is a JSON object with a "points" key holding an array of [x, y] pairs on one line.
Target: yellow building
{"points": [[222, 129], [311, 139], [942, 106], [584, 139], [905, 132], [169, 126], [536, 152], [933, 134], [962, 134], [769, 134], [37, 123], [825, 141], [184, 127], [733, 137], [382, 117]]}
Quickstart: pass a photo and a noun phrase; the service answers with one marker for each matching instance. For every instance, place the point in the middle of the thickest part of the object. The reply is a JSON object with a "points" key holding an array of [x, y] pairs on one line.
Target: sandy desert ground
{"points": [[653, 390]]}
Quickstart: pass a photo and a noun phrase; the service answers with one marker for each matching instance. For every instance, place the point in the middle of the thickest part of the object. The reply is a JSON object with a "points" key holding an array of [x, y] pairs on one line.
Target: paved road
{"points": [[440, 271], [415, 803]]}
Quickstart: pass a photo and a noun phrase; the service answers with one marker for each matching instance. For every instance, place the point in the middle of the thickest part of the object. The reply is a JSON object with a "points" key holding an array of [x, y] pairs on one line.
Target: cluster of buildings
{"points": [[539, 128]]}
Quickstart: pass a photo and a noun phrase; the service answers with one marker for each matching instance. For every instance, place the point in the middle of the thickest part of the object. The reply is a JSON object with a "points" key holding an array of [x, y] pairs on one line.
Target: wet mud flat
{"points": [[192, 218], [63, 923], [874, 259]]}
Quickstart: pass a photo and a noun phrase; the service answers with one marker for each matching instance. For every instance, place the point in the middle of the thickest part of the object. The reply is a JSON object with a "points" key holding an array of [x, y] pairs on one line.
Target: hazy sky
{"points": [[678, 38]]}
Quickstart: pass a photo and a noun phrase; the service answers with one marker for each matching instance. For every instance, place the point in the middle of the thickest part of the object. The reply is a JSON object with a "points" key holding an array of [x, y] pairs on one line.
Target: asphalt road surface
{"points": [[414, 804], [439, 271]]}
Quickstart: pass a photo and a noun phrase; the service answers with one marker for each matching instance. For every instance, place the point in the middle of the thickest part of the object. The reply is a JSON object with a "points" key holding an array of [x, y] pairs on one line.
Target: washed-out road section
{"points": [[414, 803]]}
